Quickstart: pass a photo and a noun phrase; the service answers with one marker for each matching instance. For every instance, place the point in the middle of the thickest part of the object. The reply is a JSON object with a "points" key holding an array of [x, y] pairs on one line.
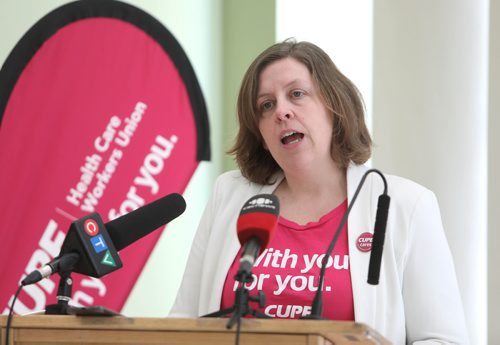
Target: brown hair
{"points": [[351, 139]]}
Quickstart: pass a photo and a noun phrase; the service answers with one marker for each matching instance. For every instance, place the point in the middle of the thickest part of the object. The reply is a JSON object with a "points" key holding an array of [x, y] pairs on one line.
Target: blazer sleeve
{"points": [[433, 306], [187, 301]]}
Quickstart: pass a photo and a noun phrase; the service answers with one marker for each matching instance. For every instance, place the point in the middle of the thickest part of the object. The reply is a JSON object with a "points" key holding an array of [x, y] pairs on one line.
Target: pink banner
{"points": [[105, 115]]}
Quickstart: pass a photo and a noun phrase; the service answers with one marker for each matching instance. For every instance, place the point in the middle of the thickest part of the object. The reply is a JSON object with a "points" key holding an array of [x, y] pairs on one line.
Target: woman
{"points": [[303, 138]]}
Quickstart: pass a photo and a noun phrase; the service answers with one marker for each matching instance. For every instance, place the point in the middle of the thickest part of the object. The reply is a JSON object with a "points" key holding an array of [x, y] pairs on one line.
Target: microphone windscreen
{"points": [[132, 226], [258, 218], [384, 201], [378, 238]]}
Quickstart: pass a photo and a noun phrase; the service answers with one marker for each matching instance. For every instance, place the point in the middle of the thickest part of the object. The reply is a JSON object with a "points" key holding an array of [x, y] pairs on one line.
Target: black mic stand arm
{"points": [[241, 300]]}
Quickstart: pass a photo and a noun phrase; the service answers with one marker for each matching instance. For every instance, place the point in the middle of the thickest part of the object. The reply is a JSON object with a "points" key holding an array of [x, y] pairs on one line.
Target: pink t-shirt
{"points": [[287, 271]]}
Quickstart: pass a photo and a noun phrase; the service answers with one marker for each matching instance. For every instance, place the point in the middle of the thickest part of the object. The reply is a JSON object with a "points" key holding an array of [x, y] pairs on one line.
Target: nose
{"points": [[283, 116], [283, 112]]}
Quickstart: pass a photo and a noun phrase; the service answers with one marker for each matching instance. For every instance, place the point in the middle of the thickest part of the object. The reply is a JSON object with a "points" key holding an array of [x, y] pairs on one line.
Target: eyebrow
{"points": [[294, 81]]}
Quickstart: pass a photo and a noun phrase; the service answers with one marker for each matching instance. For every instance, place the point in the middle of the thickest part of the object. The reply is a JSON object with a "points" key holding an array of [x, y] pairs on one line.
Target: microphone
{"points": [[376, 255], [133, 226], [378, 239], [255, 227], [91, 247]]}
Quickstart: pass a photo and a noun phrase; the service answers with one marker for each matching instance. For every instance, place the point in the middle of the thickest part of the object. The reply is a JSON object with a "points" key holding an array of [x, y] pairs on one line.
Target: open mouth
{"points": [[292, 137]]}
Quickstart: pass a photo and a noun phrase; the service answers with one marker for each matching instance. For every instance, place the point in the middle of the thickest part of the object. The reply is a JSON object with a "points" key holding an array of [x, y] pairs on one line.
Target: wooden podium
{"points": [[62, 329]]}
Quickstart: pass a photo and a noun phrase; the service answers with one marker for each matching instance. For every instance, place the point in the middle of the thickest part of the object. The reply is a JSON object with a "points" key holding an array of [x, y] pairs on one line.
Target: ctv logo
{"points": [[91, 227], [98, 243]]}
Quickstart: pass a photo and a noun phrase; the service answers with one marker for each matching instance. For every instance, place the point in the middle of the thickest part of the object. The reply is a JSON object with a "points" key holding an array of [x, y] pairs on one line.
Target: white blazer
{"points": [[417, 300]]}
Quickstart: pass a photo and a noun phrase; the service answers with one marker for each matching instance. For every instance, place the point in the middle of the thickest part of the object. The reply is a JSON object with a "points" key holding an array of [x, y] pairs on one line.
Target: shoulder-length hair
{"points": [[350, 137]]}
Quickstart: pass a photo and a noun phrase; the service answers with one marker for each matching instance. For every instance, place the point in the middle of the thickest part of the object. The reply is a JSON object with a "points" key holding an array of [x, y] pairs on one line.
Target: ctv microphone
{"points": [[91, 247], [133, 226], [255, 227]]}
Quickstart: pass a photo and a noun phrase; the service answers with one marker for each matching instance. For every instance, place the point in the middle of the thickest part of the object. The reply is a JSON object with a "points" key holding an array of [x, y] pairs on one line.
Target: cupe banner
{"points": [[100, 111]]}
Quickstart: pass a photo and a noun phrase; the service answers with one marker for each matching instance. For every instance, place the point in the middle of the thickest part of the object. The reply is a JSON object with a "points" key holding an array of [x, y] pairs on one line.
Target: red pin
{"points": [[364, 242]]}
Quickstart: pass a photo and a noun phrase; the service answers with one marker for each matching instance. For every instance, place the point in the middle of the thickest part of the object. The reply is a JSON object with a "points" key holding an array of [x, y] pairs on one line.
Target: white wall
{"points": [[196, 24], [494, 177], [430, 122], [343, 29]]}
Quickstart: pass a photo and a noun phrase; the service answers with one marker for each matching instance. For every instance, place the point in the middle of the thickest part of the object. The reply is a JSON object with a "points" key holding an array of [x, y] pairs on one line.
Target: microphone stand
{"points": [[63, 297], [62, 306], [241, 300]]}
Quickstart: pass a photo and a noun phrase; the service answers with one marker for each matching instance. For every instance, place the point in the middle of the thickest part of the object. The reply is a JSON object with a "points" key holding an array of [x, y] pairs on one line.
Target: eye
{"points": [[266, 105], [297, 93]]}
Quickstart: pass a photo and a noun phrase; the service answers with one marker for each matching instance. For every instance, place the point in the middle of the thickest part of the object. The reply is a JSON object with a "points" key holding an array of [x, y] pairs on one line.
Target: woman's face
{"points": [[295, 124]]}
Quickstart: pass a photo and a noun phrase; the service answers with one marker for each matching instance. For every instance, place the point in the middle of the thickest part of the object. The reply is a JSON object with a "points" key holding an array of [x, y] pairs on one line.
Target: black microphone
{"points": [[133, 226], [375, 259], [378, 239], [256, 226], [91, 247], [87, 249]]}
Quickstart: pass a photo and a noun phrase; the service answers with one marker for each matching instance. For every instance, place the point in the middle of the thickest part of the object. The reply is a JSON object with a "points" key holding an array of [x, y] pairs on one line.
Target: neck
{"points": [[306, 197], [317, 182]]}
